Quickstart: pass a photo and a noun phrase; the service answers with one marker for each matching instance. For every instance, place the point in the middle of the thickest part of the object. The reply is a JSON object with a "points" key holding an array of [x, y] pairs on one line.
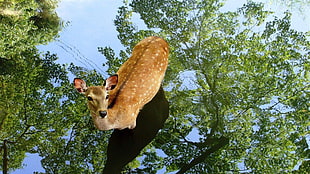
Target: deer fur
{"points": [[116, 104]]}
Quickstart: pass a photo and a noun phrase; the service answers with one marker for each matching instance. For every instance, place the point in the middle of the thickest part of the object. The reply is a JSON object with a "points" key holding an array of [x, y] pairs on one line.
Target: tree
{"points": [[32, 85], [28, 96], [24, 24], [245, 95]]}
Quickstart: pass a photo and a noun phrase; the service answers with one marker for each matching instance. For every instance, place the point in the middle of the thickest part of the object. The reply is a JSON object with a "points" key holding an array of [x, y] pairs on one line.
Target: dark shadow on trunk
{"points": [[125, 145]]}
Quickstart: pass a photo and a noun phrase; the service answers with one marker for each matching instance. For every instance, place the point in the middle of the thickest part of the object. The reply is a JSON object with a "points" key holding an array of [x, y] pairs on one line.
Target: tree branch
{"points": [[221, 143]]}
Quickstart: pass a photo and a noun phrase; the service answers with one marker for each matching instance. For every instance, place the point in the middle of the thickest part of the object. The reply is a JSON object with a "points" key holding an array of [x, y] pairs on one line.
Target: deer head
{"points": [[116, 104]]}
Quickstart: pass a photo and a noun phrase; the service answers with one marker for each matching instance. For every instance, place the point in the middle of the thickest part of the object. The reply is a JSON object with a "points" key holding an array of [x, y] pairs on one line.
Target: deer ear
{"points": [[111, 82], [80, 85]]}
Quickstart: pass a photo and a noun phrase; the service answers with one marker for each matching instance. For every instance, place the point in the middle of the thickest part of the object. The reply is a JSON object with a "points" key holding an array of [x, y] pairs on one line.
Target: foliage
{"points": [[32, 85], [298, 5], [232, 76], [82, 149], [24, 24], [28, 97]]}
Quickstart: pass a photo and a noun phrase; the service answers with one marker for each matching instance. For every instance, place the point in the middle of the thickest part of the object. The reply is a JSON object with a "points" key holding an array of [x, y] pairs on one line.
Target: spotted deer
{"points": [[116, 104]]}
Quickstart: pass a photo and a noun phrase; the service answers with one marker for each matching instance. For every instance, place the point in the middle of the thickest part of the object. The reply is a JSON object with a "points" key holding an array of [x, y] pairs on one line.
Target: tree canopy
{"points": [[237, 84], [26, 23], [238, 81], [32, 84]]}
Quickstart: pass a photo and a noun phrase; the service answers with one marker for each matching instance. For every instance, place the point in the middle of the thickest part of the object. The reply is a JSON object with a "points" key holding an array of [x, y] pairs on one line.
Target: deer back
{"points": [[139, 79]]}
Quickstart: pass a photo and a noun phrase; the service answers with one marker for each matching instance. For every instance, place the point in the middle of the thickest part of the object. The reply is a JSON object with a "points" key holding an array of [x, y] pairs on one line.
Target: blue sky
{"points": [[91, 26]]}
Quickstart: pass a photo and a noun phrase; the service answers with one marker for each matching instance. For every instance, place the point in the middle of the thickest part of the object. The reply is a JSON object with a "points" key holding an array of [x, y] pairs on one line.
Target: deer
{"points": [[117, 103]]}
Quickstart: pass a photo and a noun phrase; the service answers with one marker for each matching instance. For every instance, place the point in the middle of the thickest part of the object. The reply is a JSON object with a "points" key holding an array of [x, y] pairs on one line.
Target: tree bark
{"points": [[5, 157]]}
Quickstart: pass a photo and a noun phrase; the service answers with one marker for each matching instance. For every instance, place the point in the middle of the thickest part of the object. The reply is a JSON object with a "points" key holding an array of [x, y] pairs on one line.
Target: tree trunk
{"points": [[5, 157]]}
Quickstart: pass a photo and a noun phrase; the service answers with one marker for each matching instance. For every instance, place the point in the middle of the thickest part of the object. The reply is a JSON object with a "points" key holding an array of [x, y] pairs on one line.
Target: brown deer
{"points": [[116, 104]]}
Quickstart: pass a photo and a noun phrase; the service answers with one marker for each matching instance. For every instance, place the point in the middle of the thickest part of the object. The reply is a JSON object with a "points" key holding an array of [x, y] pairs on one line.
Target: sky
{"points": [[91, 26]]}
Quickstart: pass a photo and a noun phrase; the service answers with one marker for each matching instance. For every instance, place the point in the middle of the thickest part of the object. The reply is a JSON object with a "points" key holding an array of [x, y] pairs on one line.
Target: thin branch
{"points": [[66, 150], [25, 132]]}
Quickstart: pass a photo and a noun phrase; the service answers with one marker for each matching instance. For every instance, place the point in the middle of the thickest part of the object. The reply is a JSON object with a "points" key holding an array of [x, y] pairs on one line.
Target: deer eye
{"points": [[107, 97], [89, 98]]}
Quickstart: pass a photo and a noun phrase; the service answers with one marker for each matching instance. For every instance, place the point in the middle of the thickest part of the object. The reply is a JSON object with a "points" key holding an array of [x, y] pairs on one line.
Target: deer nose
{"points": [[102, 114]]}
